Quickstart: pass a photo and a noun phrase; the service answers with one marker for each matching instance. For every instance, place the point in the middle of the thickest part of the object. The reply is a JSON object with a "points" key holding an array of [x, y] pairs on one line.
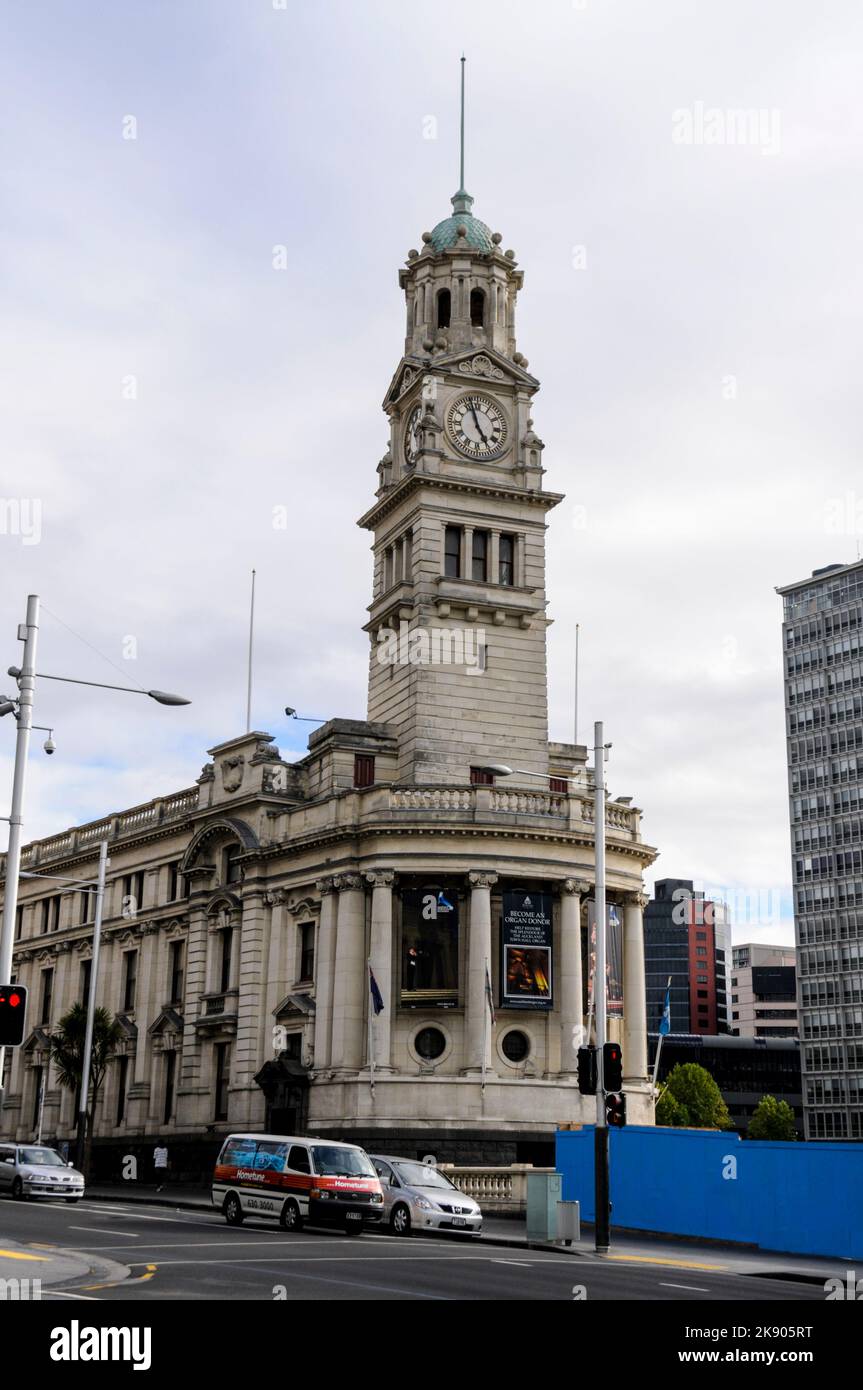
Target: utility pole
{"points": [[600, 1156], [84, 1091]]}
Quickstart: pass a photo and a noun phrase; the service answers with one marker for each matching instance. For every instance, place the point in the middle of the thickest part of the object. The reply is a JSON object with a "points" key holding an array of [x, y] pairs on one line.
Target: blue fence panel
{"points": [[801, 1198]]}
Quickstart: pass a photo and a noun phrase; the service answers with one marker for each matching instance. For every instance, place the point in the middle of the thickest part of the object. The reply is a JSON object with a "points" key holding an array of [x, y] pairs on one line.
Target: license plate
{"points": [[459, 1221], [353, 1216]]}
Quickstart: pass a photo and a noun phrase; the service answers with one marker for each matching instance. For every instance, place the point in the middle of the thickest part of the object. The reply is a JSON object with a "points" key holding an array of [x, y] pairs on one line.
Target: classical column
{"points": [[324, 972], [634, 999], [248, 960], [381, 953], [478, 1050], [569, 974], [351, 975]]}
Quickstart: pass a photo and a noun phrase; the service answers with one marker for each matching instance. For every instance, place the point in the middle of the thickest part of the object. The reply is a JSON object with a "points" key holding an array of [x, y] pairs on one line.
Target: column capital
{"points": [[380, 878], [581, 886], [325, 885], [637, 899], [276, 897], [482, 879], [347, 882]]}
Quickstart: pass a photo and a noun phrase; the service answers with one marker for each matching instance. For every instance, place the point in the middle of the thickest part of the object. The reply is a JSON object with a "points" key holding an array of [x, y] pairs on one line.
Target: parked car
{"points": [[418, 1196], [295, 1180], [34, 1170]]}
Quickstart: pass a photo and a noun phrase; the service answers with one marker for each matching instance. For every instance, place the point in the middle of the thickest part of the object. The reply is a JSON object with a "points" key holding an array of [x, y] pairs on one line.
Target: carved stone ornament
{"points": [[232, 772], [481, 366], [408, 377], [575, 885], [482, 879]]}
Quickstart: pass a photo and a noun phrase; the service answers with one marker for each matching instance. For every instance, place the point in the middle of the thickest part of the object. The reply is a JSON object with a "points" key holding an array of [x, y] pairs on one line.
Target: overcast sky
{"points": [[692, 306]]}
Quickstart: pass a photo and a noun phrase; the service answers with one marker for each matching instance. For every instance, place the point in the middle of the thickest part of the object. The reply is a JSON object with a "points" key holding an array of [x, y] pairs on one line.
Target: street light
{"points": [[25, 675]]}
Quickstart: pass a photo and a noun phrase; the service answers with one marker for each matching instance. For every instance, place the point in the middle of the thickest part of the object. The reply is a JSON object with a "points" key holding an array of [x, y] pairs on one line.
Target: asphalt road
{"points": [[190, 1255]]}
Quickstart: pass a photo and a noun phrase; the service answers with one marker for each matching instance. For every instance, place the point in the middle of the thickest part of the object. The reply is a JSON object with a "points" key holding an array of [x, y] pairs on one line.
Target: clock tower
{"points": [[457, 622]]}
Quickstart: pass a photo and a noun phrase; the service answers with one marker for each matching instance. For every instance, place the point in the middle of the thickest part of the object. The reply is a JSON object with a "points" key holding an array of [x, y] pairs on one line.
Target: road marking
{"points": [[675, 1264], [141, 1279], [103, 1231], [19, 1255], [693, 1287], [523, 1264], [57, 1293]]}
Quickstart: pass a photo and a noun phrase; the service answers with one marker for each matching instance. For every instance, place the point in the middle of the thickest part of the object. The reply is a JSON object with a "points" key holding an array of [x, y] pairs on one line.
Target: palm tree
{"points": [[67, 1052]]}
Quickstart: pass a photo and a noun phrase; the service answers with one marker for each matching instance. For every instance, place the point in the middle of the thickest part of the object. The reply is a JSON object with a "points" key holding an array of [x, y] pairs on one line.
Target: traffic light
{"points": [[615, 1111], [612, 1067], [13, 1015], [587, 1075]]}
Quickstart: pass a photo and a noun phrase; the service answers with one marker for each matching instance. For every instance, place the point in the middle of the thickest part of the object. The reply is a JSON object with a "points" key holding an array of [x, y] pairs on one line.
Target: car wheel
{"points": [[232, 1210], [17, 1189], [400, 1221], [290, 1219], [354, 1228], [71, 1200]]}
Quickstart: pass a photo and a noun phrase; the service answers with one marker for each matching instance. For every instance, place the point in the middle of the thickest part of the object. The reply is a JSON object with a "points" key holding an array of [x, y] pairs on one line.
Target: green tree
{"points": [[692, 1098], [772, 1119], [67, 1052]]}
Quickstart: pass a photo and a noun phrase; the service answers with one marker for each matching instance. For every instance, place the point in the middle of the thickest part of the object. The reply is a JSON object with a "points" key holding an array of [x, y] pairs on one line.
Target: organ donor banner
{"points": [[525, 951]]}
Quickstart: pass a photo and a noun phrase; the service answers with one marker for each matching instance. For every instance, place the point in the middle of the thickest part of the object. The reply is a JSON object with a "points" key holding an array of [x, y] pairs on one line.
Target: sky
{"points": [[205, 207]]}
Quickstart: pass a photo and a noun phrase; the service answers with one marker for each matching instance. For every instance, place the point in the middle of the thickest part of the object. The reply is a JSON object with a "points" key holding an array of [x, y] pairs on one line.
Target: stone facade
{"points": [[243, 913]]}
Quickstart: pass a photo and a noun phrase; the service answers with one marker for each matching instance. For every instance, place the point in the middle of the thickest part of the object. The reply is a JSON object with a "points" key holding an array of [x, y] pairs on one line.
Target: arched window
{"points": [[477, 308], [444, 308]]}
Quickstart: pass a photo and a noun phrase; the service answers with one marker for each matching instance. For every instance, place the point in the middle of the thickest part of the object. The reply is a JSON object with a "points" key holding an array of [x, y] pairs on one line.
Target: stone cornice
{"points": [[415, 481]]}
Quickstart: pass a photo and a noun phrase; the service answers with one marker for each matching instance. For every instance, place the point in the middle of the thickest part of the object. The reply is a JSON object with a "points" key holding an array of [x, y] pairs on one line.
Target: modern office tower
{"points": [[764, 991], [822, 638], [688, 938], [745, 1070]]}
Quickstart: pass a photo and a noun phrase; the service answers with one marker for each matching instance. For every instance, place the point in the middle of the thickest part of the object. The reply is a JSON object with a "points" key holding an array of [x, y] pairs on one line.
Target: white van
{"points": [[296, 1180]]}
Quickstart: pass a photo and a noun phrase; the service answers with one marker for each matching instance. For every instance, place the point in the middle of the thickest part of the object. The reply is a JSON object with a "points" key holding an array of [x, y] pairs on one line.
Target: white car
{"points": [[34, 1170], [420, 1197]]}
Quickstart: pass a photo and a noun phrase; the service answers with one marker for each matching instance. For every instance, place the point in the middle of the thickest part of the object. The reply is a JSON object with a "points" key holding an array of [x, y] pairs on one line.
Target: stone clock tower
{"points": [[458, 616]]}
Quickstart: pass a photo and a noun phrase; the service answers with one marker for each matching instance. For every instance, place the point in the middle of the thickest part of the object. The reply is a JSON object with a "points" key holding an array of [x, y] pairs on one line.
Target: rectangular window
{"points": [[86, 968], [177, 971], [480, 777], [133, 894], [558, 784], [176, 883], [37, 1095], [506, 560], [170, 1073], [130, 977], [225, 969], [19, 923], [430, 944], [222, 1080], [364, 770], [47, 993], [233, 870], [307, 951], [479, 558], [122, 1077], [452, 552]]}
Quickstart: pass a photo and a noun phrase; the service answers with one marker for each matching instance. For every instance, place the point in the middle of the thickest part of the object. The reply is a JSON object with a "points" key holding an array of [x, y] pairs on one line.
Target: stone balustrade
{"points": [[499, 1191]]}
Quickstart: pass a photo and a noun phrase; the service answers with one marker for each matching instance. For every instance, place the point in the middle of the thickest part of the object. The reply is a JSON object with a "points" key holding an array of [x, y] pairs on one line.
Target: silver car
{"points": [[420, 1197], [34, 1170]]}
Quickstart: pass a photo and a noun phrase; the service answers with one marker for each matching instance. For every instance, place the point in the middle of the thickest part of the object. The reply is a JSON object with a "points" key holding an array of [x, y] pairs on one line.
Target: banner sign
{"points": [[613, 958], [525, 951]]}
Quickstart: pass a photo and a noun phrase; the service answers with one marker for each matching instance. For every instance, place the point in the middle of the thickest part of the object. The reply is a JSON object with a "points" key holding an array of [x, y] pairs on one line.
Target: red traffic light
{"points": [[14, 1000], [13, 1015]]}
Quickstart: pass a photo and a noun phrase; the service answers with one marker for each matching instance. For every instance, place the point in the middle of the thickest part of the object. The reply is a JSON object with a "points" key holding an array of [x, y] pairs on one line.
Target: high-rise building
{"points": [[764, 991], [745, 1070], [687, 938], [822, 639]]}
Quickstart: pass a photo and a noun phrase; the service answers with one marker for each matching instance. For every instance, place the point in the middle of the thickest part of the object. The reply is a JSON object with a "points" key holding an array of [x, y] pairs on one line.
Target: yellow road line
{"points": [[18, 1255], [675, 1264], [142, 1279]]}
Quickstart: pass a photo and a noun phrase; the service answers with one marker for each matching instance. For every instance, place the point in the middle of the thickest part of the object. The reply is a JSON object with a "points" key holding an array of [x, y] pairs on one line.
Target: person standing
{"points": [[160, 1164]]}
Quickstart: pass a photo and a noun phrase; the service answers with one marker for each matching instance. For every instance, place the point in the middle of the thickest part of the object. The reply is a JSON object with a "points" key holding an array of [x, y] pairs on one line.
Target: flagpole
{"points": [[661, 1035]]}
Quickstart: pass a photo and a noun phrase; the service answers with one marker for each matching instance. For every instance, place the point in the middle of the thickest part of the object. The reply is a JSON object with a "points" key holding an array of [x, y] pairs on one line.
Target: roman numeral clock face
{"points": [[477, 426]]}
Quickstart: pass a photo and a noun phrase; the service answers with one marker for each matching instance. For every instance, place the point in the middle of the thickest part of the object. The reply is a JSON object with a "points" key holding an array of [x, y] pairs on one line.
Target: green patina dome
{"points": [[445, 234]]}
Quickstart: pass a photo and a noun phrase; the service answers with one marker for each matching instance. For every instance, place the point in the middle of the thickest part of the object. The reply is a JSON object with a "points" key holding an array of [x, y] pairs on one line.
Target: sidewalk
{"points": [[510, 1232], [27, 1272]]}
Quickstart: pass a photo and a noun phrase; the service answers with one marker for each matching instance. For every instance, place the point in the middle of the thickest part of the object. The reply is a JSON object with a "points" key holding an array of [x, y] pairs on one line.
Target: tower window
{"points": [[506, 560], [479, 558], [444, 308], [364, 770], [480, 777], [477, 308], [452, 552]]}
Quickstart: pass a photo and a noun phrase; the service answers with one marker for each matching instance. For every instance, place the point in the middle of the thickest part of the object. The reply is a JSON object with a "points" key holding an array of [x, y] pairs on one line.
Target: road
{"points": [[191, 1255]]}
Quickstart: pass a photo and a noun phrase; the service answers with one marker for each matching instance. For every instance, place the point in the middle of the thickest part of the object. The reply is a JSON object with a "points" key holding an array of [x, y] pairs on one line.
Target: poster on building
{"points": [[525, 951], [613, 959]]}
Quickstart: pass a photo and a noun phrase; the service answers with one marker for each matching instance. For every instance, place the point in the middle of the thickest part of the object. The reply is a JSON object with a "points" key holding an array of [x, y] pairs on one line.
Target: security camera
{"points": [[291, 713], [49, 745]]}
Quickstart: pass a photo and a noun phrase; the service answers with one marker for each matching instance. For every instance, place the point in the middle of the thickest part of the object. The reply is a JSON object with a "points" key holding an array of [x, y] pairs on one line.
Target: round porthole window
{"points": [[515, 1045], [430, 1044]]}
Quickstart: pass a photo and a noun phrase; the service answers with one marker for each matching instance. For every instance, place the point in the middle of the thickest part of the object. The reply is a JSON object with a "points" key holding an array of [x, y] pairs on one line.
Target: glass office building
{"points": [[822, 636]]}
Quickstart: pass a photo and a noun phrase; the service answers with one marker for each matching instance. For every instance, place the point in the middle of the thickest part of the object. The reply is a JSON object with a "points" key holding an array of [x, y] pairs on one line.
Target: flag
{"points": [[665, 1021], [377, 997], [489, 997]]}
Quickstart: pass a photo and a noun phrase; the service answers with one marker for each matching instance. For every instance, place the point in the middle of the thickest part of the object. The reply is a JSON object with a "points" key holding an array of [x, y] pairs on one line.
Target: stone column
{"points": [[570, 981], [351, 975], [324, 972], [381, 953], [634, 997], [248, 960], [478, 1050], [192, 1088]]}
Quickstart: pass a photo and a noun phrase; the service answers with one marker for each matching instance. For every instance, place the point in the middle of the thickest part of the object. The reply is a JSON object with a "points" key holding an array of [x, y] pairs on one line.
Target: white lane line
{"points": [[695, 1288], [347, 1259], [522, 1264], [103, 1231], [57, 1293]]}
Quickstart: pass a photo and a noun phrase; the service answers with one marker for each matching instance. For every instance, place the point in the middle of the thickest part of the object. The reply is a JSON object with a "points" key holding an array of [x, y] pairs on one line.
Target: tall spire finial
{"points": [[461, 180]]}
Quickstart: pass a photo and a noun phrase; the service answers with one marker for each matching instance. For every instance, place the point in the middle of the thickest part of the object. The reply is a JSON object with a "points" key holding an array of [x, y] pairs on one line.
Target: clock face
{"points": [[478, 427], [412, 435]]}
